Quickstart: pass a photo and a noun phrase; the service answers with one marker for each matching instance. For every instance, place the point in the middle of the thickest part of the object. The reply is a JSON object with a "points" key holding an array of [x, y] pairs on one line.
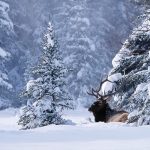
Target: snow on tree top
{"points": [[49, 36], [50, 42]]}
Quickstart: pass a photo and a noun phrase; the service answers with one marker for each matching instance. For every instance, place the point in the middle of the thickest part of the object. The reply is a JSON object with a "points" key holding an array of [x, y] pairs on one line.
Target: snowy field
{"points": [[80, 135]]}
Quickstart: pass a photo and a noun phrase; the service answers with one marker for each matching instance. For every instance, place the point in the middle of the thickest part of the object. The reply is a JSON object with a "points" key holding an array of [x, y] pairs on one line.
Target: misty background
{"points": [[89, 33]]}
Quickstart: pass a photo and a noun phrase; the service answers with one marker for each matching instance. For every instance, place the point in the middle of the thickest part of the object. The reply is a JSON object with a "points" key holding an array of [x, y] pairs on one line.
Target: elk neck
{"points": [[101, 115]]}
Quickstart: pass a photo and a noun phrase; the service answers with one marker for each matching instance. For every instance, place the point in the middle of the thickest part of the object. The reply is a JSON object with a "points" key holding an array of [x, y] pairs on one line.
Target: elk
{"points": [[101, 109]]}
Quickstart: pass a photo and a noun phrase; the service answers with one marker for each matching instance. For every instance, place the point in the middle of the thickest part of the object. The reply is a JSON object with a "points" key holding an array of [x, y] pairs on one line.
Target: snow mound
{"points": [[109, 86], [82, 135]]}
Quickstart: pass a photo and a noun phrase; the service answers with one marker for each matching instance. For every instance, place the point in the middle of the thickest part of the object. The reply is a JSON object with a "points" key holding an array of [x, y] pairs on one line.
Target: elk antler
{"points": [[103, 81], [97, 94], [93, 93]]}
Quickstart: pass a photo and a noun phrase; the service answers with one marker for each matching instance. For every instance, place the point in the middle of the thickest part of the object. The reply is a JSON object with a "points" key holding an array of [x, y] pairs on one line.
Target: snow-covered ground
{"points": [[79, 135]]}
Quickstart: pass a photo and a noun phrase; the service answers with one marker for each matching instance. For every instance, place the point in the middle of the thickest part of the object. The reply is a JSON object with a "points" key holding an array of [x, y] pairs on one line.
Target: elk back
{"points": [[120, 117]]}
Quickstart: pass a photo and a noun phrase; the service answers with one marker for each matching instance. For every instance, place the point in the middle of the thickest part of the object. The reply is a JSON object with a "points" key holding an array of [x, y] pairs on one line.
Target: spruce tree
{"points": [[47, 95], [86, 39], [132, 62], [6, 33]]}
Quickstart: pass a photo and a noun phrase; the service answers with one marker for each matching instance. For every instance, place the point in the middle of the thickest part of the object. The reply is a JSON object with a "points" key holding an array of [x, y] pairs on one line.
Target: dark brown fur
{"points": [[101, 109], [102, 112]]}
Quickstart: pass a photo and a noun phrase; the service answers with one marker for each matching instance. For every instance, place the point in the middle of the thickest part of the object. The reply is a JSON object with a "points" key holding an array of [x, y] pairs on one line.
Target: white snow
{"points": [[108, 86], [81, 134], [149, 68], [30, 84], [115, 77], [3, 53], [149, 89], [57, 63], [122, 53], [50, 42], [143, 28], [116, 59], [141, 87], [57, 90], [134, 113]]}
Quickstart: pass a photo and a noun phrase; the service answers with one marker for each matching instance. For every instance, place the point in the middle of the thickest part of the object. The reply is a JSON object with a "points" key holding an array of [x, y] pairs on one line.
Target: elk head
{"points": [[100, 107], [101, 98], [97, 106]]}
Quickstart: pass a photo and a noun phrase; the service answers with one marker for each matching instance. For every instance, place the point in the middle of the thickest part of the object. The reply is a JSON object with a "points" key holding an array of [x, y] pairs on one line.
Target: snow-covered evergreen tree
{"points": [[88, 45], [5, 85], [6, 29], [104, 33], [79, 48], [132, 63], [47, 93], [142, 2]]}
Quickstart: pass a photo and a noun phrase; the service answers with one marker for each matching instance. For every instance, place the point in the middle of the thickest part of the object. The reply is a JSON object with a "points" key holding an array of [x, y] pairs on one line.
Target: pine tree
{"points": [[6, 29], [47, 93], [132, 62], [29, 26], [142, 2], [5, 85], [84, 28]]}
